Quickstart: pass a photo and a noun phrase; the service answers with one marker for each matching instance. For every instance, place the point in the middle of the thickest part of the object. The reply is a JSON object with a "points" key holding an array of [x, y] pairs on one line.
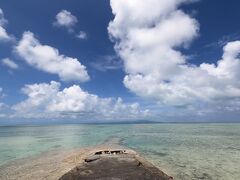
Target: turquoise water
{"points": [[185, 151]]}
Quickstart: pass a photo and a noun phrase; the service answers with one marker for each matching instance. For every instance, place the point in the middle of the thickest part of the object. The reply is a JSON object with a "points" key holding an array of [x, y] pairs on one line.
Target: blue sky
{"points": [[160, 64]]}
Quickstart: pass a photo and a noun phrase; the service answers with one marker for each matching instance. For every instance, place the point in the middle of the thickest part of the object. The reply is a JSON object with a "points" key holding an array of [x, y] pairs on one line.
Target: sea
{"points": [[183, 150]]}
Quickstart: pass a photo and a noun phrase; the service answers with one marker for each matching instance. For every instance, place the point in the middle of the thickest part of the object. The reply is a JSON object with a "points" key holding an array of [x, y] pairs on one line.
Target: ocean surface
{"points": [[184, 151]]}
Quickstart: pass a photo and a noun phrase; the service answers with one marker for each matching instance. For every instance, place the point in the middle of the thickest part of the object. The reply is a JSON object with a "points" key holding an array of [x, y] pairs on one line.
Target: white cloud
{"points": [[148, 36], [4, 36], [3, 21], [82, 35], [48, 59], [65, 19], [1, 92], [48, 101], [9, 63], [105, 63], [2, 105], [223, 40]]}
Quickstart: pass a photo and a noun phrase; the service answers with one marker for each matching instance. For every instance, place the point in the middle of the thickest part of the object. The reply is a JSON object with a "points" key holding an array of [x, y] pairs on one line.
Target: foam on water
{"points": [[185, 151]]}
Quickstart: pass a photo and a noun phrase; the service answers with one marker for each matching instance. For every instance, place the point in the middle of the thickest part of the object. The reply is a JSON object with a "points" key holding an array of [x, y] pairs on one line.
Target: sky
{"points": [[116, 60]]}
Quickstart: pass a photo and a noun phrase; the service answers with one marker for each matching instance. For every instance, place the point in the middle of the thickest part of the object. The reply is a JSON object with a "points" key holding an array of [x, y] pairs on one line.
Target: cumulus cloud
{"points": [[65, 19], [48, 59], [82, 35], [4, 36], [148, 36], [9, 63], [49, 101]]}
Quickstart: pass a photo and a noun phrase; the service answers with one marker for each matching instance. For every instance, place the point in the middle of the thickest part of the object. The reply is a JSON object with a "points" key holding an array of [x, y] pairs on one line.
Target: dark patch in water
{"points": [[233, 148], [203, 176], [49, 140], [162, 154], [181, 165], [57, 146]]}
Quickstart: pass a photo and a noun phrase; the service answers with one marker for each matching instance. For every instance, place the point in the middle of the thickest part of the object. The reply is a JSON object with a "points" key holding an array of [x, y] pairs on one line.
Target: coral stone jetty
{"points": [[115, 164]]}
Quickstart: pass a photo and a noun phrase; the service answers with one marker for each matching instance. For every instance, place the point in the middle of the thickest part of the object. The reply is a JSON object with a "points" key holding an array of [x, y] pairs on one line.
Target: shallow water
{"points": [[185, 151]]}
